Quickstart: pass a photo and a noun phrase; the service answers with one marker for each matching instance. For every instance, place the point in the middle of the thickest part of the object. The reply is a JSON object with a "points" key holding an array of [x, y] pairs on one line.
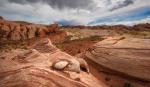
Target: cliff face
{"points": [[21, 31]]}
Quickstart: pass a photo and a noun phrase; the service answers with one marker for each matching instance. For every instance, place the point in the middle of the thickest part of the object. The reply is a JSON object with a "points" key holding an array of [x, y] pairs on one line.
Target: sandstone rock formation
{"points": [[21, 31], [58, 37], [33, 68], [129, 56]]}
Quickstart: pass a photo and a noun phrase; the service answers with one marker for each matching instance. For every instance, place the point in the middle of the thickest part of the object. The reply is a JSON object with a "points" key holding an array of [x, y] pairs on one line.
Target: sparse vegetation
{"points": [[91, 38], [8, 45]]}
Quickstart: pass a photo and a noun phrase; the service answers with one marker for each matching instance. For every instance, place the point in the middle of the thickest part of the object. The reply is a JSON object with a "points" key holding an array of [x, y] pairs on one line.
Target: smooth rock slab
{"points": [[130, 56]]}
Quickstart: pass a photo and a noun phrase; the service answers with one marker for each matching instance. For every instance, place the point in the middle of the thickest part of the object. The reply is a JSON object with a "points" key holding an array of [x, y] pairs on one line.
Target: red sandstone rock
{"points": [[33, 68], [6, 30], [41, 33], [15, 34], [23, 32], [20, 31], [130, 56], [58, 37], [53, 27], [31, 31]]}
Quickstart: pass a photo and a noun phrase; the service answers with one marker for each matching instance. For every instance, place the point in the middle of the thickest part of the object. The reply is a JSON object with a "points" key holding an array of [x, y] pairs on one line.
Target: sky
{"points": [[77, 12]]}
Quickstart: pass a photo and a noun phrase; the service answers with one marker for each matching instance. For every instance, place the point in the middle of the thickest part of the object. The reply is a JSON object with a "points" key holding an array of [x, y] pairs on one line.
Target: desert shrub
{"points": [[134, 32], [91, 38], [94, 38]]}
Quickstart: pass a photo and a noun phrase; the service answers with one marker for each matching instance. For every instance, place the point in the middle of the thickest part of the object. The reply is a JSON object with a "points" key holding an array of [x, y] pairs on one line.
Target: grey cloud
{"points": [[123, 4], [61, 4], [18, 1], [3, 2], [85, 4]]}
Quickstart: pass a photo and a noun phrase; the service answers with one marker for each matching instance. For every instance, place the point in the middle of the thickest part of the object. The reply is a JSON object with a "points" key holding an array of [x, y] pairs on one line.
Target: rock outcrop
{"points": [[20, 31], [58, 37], [34, 68], [129, 56]]}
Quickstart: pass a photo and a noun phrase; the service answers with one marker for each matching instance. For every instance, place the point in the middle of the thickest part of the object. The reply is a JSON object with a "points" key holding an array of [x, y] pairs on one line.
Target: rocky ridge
{"points": [[20, 31]]}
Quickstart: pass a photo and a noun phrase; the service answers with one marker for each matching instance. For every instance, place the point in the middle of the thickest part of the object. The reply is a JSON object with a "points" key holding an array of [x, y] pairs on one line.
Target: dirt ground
{"points": [[74, 48]]}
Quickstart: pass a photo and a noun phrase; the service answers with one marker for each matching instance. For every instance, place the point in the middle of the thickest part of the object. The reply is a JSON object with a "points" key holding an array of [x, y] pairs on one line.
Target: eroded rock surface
{"points": [[130, 56], [21, 31], [34, 68]]}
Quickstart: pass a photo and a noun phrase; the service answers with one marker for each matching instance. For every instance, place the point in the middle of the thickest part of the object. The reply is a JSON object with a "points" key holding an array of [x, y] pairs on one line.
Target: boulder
{"points": [[74, 66], [60, 65]]}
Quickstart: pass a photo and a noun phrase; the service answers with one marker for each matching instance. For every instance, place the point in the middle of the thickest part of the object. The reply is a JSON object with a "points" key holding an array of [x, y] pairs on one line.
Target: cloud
{"points": [[129, 23], [61, 4], [74, 4], [72, 12], [122, 4], [126, 17], [25, 1]]}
